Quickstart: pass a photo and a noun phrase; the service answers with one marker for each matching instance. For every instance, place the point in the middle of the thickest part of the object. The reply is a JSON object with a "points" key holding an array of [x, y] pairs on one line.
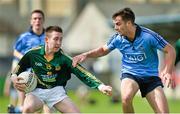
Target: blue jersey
{"points": [[28, 40], [139, 56]]}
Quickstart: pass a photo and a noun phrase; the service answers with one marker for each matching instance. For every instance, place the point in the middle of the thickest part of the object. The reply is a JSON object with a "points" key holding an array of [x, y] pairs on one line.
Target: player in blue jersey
{"points": [[138, 46], [32, 38]]}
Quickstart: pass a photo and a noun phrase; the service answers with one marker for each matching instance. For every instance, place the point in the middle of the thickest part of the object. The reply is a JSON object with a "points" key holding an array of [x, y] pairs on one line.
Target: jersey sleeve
{"points": [[84, 75], [111, 44], [19, 43], [158, 41], [23, 64]]}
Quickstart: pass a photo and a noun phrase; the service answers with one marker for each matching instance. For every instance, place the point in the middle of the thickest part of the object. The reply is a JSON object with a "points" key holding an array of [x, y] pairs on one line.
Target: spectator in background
{"points": [[33, 37], [138, 46]]}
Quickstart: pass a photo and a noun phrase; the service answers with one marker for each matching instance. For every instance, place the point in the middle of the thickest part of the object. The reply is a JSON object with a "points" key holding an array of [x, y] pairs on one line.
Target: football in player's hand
{"points": [[29, 79]]}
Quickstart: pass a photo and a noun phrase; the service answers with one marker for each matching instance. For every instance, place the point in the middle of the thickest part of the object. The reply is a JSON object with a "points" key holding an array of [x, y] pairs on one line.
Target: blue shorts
{"points": [[146, 83]]}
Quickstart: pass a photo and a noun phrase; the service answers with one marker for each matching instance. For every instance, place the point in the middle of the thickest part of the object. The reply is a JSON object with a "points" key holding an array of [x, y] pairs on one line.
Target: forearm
{"points": [[90, 80], [101, 51], [170, 57], [86, 77]]}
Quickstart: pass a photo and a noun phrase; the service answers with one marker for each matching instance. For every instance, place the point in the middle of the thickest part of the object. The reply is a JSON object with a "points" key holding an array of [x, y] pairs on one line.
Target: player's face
{"points": [[37, 21], [120, 26], [54, 41]]}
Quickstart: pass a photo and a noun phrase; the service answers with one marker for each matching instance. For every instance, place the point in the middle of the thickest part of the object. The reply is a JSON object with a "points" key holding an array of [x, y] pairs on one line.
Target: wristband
{"points": [[101, 86], [13, 75]]}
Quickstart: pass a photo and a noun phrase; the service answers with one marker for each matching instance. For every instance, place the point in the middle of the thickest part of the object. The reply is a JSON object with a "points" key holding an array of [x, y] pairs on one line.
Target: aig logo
{"points": [[134, 57], [38, 64]]}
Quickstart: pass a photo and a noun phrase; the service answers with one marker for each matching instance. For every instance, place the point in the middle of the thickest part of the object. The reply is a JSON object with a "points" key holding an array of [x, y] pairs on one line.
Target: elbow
{"points": [[104, 51], [172, 54]]}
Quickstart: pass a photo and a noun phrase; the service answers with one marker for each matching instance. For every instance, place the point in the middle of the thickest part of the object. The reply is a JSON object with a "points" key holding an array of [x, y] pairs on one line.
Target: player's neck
{"points": [[38, 31], [49, 55], [131, 33]]}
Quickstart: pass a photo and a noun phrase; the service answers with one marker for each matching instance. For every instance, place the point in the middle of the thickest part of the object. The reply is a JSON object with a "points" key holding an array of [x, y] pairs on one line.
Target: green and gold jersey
{"points": [[55, 72]]}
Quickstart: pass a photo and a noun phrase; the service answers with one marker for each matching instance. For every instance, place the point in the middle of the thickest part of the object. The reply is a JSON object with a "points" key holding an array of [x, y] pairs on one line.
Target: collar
{"points": [[42, 51], [32, 32], [137, 33]]}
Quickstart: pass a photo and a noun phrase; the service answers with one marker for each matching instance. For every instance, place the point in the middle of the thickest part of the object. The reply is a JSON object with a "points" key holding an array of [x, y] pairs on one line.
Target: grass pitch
{"points": [[99, 103]]}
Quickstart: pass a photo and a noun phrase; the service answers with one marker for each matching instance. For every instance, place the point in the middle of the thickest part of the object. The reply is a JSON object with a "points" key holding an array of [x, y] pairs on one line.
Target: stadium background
{"points": [[87, 24]]}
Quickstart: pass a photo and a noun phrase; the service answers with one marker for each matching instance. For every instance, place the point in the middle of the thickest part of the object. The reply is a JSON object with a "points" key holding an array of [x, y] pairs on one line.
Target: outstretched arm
{"points": [[101, 51], [166, 74], [90, 80]]}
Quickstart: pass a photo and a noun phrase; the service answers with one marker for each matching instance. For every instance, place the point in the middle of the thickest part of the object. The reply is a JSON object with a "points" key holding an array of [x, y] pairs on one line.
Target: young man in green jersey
{"points": [[53, 69], [33, 37]]}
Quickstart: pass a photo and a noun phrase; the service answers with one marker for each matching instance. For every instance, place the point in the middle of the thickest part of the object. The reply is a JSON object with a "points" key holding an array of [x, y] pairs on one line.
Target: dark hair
{"points": [[126, 13], [38, 11], [53, 28]]}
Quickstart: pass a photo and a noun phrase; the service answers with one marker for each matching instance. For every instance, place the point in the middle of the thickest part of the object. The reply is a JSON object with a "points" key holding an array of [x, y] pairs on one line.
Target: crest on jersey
{"points": [[48, 66], [57, 68], [49, 73]]}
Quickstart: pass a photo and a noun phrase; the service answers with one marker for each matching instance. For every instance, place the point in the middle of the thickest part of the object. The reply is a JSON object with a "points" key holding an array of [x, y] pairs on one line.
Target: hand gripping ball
{"points": [[29, 79]]}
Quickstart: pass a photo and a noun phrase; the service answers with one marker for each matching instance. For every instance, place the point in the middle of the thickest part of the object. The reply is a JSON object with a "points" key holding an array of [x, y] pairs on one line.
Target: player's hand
{"points": [[78, 59], [167, 79], [107, 90], [18, 85]]}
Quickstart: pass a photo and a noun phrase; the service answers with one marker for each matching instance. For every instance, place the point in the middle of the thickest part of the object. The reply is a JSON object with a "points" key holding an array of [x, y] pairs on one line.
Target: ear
{"points": [[128, 22]]}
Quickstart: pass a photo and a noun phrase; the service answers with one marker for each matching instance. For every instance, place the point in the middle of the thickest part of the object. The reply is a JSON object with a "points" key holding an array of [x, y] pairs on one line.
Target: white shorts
{"points": [[50, 96]]}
